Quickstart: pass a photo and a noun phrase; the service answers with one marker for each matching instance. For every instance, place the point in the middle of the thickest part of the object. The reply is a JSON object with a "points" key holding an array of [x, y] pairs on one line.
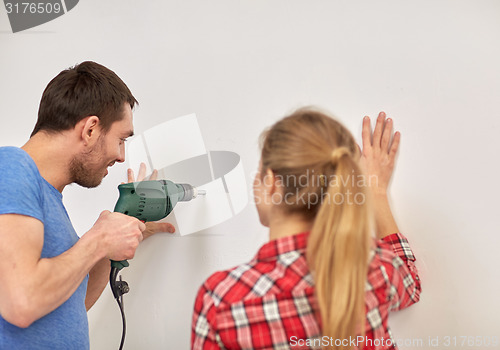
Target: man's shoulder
{"points": [[11, 151], [15, 159]]}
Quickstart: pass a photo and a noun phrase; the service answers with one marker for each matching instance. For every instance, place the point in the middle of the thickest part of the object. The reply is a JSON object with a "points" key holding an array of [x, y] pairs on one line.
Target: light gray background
{"points": [[433, 66]]}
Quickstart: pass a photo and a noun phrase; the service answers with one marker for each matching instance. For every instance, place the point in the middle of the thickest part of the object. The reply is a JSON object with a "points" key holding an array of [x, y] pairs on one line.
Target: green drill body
{"points": [[150, 201], [146, 201]]}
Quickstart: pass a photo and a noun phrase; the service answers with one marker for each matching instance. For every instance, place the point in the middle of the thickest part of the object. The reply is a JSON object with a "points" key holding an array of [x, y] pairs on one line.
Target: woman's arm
{"points": [[203, 334], [384, 221], [377, 160]]}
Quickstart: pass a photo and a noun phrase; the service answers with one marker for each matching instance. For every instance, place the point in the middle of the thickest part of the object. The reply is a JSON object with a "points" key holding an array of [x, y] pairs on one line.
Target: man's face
{"points": [[89, 168]]}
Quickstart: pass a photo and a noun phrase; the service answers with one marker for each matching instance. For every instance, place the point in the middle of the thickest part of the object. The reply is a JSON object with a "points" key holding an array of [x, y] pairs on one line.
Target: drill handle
{"points": [[123, 263], [119, 264]]}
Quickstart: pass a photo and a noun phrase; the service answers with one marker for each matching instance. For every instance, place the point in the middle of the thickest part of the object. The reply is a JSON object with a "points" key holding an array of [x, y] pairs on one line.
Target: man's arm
{"points": [[98, 279], [99, 274], [31, 287]]}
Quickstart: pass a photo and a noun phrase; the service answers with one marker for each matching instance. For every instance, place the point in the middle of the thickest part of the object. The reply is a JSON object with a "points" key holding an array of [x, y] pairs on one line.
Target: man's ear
{"points": [[89, 129]]}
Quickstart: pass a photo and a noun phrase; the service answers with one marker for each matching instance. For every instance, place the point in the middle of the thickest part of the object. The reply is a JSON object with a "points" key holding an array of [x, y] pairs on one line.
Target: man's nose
{"points": [[121, 154]]}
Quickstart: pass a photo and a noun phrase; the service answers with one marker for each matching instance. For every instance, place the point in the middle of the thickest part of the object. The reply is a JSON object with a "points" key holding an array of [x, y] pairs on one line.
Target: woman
{"points": [[336, 263]]}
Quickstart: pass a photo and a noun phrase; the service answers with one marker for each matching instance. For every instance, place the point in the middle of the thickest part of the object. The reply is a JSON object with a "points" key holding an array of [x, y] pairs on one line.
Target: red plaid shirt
{"points": [[269, 303]]}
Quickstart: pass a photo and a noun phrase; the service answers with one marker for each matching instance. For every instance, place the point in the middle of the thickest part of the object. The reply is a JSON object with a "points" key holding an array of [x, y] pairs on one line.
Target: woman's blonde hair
{"points": [[311, 146]]}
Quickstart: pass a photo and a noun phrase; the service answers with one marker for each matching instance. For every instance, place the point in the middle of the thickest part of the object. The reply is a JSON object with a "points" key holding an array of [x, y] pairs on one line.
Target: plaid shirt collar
{"points": [[273, 249]]}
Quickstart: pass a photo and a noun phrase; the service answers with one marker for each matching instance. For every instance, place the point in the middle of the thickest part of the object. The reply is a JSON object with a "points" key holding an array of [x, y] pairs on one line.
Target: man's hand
{"points": [[151, 227], [377, 160], [378, 154], [120, 235]]}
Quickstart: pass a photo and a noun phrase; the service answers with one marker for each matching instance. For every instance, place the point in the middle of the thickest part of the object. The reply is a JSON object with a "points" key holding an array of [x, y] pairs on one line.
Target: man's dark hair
{"points": [[84, 90]]}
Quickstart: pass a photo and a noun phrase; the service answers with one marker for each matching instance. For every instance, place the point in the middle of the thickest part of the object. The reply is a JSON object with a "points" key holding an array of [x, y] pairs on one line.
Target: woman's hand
{"points": [[142, 174], [378, 154], [377, 161], [151, 227]]}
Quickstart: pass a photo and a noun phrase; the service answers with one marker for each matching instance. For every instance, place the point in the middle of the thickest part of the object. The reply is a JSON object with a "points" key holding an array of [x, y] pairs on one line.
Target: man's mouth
{"points": [[109, 165]]}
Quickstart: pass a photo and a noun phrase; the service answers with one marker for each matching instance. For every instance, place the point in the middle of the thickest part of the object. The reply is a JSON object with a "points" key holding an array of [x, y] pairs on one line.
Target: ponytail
{"points": [[310, 143], [338, 252]]}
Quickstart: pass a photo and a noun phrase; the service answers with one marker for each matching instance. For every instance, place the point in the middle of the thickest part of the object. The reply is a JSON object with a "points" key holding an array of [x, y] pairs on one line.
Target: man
{"points": [[49, 277]]}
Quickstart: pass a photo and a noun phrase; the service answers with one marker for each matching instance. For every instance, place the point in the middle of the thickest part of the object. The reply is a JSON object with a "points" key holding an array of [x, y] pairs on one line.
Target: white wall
{"points": [[240, 65]]}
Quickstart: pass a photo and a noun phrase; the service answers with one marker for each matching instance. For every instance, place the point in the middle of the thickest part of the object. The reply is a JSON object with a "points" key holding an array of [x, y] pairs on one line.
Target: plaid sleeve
{"points": [[405, 285], [203, 329]]}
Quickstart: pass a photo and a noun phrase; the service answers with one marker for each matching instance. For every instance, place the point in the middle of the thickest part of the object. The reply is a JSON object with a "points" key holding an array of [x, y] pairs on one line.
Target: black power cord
{"points": [[119, 288]]}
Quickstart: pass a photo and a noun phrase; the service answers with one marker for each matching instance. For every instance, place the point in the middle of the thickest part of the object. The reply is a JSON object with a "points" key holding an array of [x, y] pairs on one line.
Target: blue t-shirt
{"points": [[24, 191]]}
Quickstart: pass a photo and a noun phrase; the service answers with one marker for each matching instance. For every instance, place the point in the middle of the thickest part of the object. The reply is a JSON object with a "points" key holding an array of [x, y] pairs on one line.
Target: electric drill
{"points": [[151, 201], [147, 201]]}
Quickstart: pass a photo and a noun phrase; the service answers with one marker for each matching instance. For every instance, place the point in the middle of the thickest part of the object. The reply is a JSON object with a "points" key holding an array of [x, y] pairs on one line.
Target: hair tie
{"points": [[322, 181], [338, 153]]}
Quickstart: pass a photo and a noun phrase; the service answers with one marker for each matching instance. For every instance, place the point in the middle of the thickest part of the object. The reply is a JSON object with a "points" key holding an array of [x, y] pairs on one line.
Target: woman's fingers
{"points": [[366, 134], [394, 146], [381, 135], [142, 172], [154, 175], [130, 175], [377, 133], [386, 136]]}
